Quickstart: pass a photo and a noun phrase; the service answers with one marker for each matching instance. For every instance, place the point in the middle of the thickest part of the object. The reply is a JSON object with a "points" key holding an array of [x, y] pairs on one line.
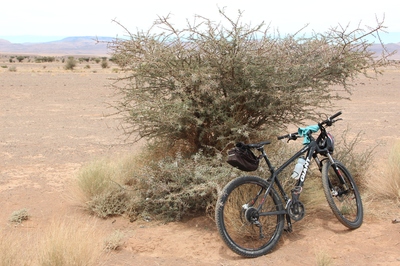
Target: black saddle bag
{"points": [[243, 158]]}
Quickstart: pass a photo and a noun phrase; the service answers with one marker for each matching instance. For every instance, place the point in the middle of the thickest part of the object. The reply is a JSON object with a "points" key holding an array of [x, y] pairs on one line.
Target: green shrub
{"points": [[114, 201], [213, 83], [70, 64], [84, 59], [21, 58], [43, 59], [94, 179], [104, 64]]}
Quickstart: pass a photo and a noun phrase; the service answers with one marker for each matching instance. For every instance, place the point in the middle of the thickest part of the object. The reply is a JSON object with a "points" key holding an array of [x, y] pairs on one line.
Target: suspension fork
{"points": [[337, 171]]}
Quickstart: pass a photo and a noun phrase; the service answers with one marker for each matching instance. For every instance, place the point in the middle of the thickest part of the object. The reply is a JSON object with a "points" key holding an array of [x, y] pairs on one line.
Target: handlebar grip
{"points": [[335, 115], [282, 137], [288, 136]]}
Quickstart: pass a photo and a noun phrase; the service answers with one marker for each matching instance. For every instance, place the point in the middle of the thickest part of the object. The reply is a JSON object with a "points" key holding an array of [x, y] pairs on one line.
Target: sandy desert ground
{"points": [[53, 121]]}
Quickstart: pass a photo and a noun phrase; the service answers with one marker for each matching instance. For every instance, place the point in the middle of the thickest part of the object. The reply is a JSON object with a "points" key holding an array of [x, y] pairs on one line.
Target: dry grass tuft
{"points": [[323, 258], [64, 242], [387, 186], [70, 242], [10, 249], [114, 241]]}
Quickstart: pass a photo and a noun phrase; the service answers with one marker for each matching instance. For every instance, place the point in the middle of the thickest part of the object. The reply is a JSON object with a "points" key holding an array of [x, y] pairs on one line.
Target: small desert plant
{"points": [[323, 259], [21, 58], [19, 216], [114, 201], [70, 64], [104, 63], [12, 69], [114, 241], [84, 59], [94, 179], [388, 184], [42, 59], [98, 185]]}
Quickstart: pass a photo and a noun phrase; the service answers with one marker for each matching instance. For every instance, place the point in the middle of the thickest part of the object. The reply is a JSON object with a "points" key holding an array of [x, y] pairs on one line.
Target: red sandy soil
{"points": [[54, 121]]}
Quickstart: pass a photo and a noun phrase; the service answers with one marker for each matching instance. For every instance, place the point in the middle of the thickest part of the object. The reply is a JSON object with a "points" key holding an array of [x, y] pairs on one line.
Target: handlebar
{"points": [[289, 136], [328, 122]]}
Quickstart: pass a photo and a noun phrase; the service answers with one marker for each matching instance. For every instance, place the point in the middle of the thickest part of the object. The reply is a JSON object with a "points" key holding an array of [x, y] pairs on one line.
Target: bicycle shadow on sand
{"points": [[314, 222]]}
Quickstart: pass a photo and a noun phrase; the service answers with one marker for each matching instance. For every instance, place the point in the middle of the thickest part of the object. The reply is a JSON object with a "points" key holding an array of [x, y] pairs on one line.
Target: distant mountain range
{"points": [[391, 47], [90, 46], [68, 46]]}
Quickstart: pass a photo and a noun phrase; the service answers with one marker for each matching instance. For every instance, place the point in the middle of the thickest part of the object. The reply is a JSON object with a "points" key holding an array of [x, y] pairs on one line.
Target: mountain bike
{"points": [[250, 212]]}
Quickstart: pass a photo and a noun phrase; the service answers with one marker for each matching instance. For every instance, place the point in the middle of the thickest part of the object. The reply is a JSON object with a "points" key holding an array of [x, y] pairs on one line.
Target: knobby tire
{"points": [[343, 199], [242, 236]]}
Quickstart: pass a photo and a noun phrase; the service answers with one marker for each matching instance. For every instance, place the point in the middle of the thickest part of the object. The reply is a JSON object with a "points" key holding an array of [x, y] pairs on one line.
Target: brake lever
{"points": [[330, 122], [292, 137]]}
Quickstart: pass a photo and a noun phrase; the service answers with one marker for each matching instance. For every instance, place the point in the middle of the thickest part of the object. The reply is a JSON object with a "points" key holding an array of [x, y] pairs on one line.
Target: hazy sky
{"points": [[94, 18]]}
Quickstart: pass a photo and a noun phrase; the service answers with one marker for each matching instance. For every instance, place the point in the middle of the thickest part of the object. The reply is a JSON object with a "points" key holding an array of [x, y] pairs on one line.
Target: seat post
{"points": [[264, 155]]}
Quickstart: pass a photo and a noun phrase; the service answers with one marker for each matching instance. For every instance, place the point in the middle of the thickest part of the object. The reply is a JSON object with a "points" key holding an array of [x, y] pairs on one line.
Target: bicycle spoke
{"points": [[343, 196], [240, 223]]}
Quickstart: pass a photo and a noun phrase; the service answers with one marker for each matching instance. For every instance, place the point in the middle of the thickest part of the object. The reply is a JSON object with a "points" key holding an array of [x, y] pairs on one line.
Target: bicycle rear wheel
{"points": [[241, 217], [342, 194]]}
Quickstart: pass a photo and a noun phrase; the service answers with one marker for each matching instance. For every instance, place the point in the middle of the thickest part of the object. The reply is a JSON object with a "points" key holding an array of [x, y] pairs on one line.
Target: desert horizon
{"points": [[97, 46]]}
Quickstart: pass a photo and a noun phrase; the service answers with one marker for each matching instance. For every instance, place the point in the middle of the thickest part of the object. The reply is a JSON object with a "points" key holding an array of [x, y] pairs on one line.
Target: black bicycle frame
{"points": [[273, 179]]}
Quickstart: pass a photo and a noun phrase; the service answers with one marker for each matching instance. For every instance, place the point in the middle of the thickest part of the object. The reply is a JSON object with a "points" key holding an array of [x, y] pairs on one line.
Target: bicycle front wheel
{"points": [[249, 221], [342, 194]]}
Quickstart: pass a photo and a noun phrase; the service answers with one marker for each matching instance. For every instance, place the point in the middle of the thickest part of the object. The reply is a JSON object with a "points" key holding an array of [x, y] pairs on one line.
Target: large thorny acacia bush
{"points": [[192, 92], [209, 84]]}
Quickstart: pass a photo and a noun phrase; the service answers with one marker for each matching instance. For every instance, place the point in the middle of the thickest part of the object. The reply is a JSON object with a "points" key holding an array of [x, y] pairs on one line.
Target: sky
{"points": [[44, 20]]}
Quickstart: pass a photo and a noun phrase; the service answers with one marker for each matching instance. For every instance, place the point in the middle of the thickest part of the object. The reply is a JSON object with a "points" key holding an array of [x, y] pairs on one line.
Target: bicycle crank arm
{"points": [[257, 223]]}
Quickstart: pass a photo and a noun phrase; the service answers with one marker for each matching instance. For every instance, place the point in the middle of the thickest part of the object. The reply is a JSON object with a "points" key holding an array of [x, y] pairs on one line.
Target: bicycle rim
{"points": [[236, 214], [344, 199]]}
